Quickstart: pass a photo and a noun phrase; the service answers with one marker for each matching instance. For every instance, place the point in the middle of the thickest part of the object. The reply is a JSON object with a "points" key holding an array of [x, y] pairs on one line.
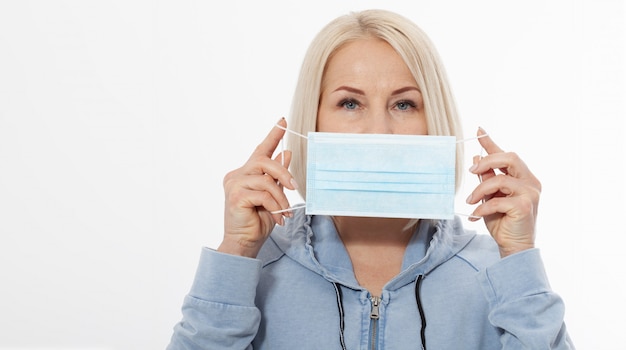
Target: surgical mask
{"points": [[380, 175]]}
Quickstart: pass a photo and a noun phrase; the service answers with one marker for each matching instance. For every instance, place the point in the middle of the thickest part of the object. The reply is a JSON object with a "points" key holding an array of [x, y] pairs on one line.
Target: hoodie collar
{"points": [[313, 242]]}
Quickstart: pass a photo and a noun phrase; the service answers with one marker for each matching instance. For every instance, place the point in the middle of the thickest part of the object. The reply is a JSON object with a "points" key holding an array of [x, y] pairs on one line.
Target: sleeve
{"points": [[523, 305], [219, 312]]}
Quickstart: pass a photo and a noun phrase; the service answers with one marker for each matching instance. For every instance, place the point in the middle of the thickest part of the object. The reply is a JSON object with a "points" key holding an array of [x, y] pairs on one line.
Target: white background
{"points": [[119, 119]]}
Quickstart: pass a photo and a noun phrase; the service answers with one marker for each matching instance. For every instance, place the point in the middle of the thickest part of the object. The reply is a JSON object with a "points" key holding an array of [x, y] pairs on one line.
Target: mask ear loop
{"points": [[292, 208], [303, 205], [472, 138], [282, 162], [282, 151], [291, 131], [480, 177]]}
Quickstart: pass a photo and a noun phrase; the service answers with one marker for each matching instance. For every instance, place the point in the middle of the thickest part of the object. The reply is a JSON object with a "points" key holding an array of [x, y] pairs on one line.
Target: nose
{"points": [[379, 122]]}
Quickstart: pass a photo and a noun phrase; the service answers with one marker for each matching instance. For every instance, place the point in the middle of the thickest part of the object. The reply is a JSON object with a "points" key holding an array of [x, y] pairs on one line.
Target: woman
{"points": [[284, 280]]}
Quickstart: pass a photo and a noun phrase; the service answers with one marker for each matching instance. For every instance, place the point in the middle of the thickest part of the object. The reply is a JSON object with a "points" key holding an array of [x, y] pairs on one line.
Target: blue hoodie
{"points": [[454, 292]]}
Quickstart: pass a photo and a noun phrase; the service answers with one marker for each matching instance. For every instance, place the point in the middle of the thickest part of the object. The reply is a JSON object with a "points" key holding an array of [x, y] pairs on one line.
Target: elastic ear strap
{"points": [[295, 207], [282, 142], [282, 152], [303, 136], [301, 206], [290, 131], [472, 138], [469, 216]]}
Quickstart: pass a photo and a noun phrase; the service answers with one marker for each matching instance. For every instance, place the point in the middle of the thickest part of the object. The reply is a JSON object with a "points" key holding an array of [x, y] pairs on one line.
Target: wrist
{"points": [[239, 248], [507, 251]]}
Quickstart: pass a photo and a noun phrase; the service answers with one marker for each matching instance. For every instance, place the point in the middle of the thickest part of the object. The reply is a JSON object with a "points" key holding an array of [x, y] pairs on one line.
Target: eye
{"points": [[349, 104], [405, 105]]}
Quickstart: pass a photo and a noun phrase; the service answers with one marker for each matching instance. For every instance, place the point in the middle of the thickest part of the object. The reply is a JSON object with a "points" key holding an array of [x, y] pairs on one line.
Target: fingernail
{"points": [[294, 183], [287, 214], [469, 199], [473, 168], [481, 130]]}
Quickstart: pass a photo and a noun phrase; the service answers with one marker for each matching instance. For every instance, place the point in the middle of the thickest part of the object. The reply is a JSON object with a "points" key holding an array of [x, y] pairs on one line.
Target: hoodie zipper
{"points": [[374, 316]]}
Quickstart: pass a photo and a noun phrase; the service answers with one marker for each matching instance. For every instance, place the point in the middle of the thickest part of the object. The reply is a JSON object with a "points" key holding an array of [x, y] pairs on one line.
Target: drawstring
{"points": [[418, 285], [342, 341], [420, 309]]}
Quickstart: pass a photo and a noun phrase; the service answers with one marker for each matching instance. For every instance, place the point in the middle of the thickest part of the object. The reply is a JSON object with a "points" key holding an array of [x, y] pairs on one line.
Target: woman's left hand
{"points": [[510, 196]]}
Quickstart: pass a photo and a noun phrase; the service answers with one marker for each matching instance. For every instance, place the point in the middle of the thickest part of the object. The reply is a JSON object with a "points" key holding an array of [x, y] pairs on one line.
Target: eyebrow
{"points": [[360, 92], [405, 89], [350, 89]]}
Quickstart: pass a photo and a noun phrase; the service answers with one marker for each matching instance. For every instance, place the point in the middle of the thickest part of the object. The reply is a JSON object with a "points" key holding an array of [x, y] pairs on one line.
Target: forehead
{"points": [[369, 60]]}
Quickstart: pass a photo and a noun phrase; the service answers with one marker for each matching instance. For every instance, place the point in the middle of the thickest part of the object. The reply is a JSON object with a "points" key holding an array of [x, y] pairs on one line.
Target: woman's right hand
{"points": [[252, 193]]}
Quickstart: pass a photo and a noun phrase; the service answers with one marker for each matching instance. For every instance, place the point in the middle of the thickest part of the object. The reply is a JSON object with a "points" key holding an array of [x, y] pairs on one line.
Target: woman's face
{"points": [[367, 88]]}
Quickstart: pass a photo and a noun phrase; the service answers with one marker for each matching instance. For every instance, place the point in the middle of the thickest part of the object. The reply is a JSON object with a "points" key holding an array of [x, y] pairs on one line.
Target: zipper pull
{"points": [[374, 315]]}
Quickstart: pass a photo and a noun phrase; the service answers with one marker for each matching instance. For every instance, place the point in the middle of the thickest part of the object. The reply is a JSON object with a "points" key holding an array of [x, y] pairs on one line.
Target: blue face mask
{"points": [[396, 176]]}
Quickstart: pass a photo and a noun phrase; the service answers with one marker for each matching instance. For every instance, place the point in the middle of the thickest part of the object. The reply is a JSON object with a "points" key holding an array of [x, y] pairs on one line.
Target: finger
{"points": [[513, 207], [484, 175], [262, 165], [284, 176], [487, 143], [508, 163], [270, 203], [492, 207], [271, 141], [284, 158], [500, 185], [267, 184], [262, 202], [258, 192], [278, 168]]}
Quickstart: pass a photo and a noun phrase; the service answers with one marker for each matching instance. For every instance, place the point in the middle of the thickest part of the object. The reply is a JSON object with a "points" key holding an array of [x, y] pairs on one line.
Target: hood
{"points": [[313, 242]]}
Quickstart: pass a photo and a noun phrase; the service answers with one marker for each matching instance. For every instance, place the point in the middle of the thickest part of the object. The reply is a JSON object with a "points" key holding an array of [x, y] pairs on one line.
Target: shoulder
{"points": [[478, 250], [285, 238], [481, 252], [270, 252]]}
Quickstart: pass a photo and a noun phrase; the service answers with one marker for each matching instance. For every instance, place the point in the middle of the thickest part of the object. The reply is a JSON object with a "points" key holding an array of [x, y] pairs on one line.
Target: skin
{"points": [[374, 93], [510, 195]]}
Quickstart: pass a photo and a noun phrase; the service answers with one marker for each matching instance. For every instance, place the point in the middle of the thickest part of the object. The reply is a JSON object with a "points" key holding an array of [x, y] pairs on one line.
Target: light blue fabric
{"points": [[285, 299], [382, 175]]}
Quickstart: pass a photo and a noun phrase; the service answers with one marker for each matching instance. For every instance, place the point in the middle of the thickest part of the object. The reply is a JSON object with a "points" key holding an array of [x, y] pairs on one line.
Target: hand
{"points": [[510, 197], [252, 192]]}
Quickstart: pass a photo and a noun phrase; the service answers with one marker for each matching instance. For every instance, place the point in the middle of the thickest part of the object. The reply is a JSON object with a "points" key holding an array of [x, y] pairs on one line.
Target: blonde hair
{"points": [[409, 41]]}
